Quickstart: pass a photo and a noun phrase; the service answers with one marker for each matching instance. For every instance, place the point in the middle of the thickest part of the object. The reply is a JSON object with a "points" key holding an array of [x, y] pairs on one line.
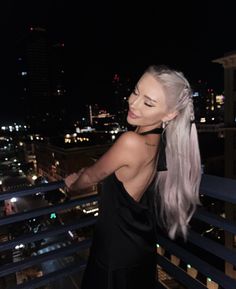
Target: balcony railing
{"points": [[185, 263]]}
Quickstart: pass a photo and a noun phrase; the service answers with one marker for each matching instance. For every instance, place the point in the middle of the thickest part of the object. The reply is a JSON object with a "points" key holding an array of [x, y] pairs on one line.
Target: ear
{"points": [[169, 116]]}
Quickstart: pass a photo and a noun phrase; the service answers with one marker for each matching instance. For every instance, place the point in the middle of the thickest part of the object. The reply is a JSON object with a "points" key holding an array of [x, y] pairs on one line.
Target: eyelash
{"points": [[148, 104]]}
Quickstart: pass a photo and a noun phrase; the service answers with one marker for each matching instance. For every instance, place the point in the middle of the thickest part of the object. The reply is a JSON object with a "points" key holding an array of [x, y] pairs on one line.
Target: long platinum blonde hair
{"points": [[177, 188]]}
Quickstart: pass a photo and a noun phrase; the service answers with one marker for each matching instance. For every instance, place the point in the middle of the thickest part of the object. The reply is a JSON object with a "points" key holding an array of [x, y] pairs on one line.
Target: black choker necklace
{"points": [[157, 130]]}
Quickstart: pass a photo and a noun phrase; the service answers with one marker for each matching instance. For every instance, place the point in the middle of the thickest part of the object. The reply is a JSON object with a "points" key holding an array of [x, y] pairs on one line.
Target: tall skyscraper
{"points": [[41, 81], [229, 63]]}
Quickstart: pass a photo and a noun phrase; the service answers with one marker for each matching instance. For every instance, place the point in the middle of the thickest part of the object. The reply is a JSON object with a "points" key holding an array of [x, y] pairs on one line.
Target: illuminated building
{"points": [[229, 63]]}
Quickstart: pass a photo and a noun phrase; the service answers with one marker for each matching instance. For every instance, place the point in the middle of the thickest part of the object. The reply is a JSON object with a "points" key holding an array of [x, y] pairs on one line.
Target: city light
{"points": [[20, 246], [71, 234], [53, 216]]}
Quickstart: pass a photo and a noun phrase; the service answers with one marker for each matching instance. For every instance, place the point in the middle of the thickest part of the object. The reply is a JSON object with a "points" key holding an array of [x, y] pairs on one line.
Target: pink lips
{"points": [[131, 114]]}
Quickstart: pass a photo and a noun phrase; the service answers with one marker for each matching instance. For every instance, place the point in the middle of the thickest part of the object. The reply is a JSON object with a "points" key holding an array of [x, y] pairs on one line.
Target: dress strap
{"points": [[157, 130], [161, 163]]}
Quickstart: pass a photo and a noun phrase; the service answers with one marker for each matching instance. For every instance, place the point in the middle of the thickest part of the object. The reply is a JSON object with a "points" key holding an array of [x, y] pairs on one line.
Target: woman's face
{"points": [[147, 103]]}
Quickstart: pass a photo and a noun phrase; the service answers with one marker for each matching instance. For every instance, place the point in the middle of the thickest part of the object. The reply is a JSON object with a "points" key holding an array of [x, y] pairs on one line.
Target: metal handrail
{"points": [[211, 186]]}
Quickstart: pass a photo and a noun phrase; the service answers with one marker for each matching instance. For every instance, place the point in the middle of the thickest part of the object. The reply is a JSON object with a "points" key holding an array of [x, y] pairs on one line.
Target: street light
{"points": [[13, 200]]}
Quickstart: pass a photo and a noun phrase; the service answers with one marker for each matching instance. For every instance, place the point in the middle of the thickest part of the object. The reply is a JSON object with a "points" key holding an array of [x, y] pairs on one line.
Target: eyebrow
{"points": [[149, 98]]}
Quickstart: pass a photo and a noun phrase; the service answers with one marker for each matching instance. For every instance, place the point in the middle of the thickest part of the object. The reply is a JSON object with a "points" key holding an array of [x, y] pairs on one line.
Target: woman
{"points": [[154, 170]]}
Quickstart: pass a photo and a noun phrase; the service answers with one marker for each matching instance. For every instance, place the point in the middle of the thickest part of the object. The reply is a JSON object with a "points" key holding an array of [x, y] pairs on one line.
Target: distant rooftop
{"points": [[82, 140], [228, 60], [230, 53]]}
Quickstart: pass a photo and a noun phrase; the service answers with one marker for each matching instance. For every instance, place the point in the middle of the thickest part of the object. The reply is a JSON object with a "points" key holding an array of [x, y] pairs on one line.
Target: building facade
{"points": [[228, 61]]}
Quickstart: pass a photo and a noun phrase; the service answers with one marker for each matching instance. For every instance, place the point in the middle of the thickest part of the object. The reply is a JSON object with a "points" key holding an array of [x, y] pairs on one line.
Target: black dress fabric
{"points": [[123, 252]]}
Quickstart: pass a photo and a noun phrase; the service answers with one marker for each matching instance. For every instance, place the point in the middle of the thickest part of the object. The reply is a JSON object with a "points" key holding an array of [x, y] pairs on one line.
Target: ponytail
{"points": [[177, 188]]}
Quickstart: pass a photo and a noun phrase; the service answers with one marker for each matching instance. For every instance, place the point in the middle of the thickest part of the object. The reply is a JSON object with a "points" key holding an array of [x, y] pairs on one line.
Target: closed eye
{"points": [[147, 104]]}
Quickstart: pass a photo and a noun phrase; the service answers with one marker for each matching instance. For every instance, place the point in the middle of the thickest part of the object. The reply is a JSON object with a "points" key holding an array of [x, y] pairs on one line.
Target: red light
{"points": [[63, 44], [116, 77], [31, 28]]}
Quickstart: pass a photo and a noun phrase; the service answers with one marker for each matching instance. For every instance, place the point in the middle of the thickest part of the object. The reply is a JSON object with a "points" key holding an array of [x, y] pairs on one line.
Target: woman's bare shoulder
{"points": [[131, 139]]}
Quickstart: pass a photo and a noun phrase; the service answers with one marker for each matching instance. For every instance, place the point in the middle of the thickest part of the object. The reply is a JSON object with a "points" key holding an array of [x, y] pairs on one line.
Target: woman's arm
{"points": [[119, 155]]}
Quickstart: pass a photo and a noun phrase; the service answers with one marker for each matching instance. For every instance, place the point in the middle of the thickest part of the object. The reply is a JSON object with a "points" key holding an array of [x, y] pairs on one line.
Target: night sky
{"points": [[102, 39]]}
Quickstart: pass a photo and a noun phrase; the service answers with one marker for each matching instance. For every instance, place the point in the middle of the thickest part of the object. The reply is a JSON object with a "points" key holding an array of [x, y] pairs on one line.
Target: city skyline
{"points": [[46, 229], [101, 40]]}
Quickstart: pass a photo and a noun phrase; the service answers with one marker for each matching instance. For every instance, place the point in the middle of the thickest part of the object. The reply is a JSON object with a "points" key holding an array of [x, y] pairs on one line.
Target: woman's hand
{"points": [[69, 180], [72, 178]]}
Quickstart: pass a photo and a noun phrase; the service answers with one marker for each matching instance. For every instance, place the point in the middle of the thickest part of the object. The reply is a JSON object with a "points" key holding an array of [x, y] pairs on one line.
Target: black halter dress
{"points": [[123, 252]]}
